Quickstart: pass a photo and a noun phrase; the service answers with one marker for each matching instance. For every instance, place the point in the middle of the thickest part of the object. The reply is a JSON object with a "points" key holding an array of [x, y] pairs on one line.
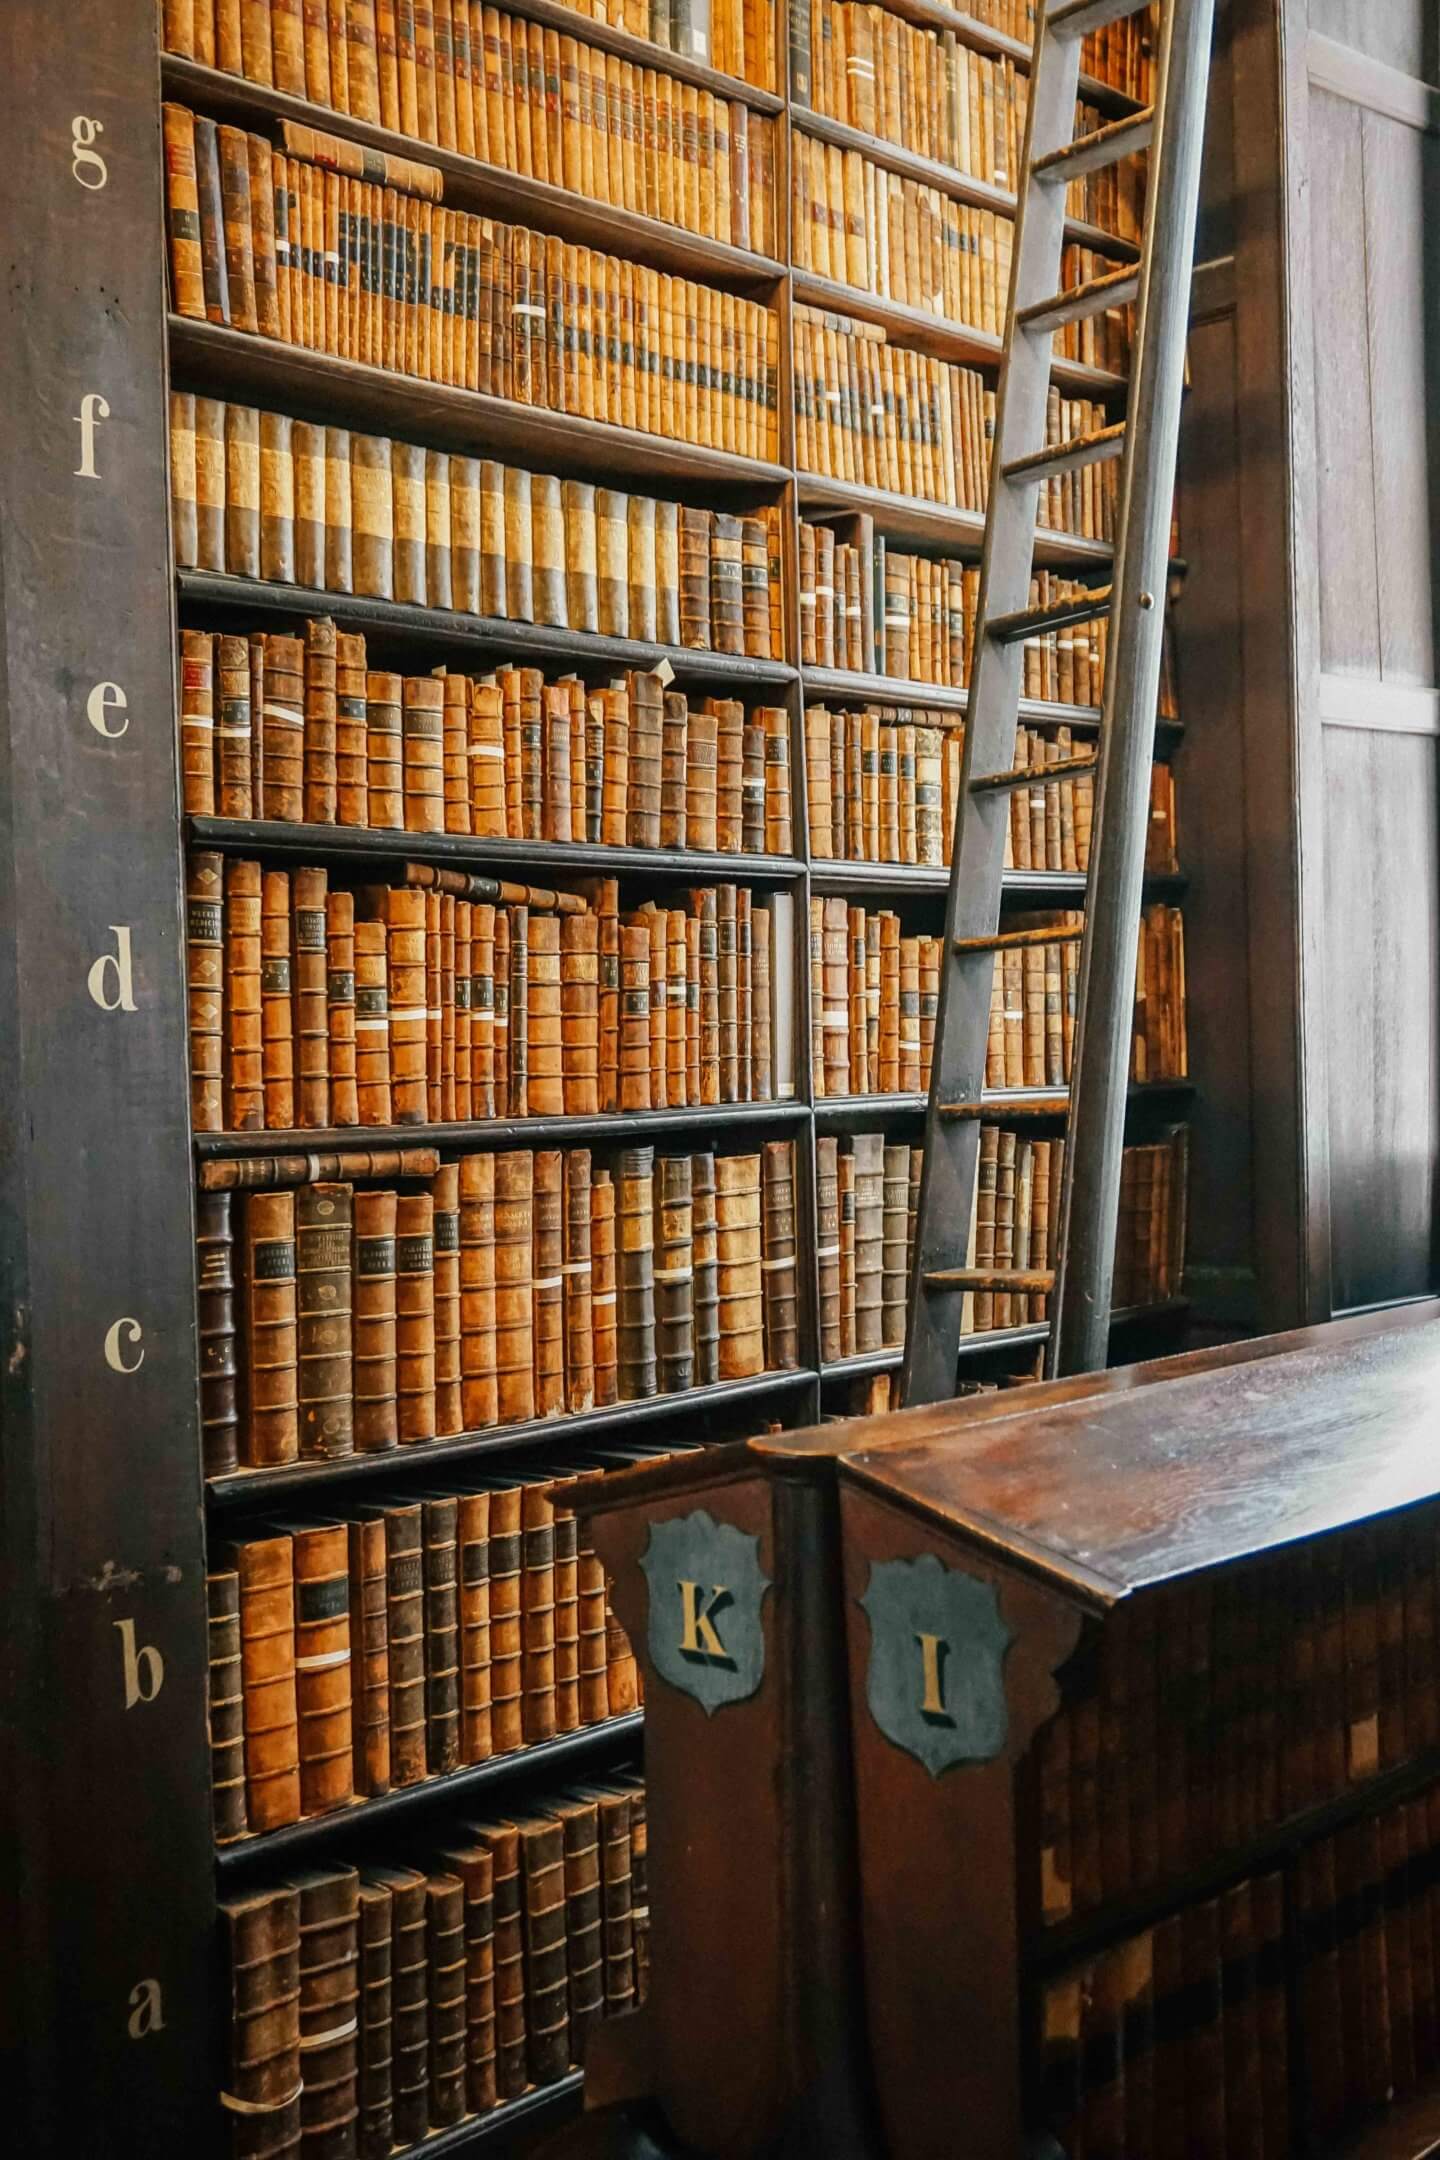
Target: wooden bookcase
{"points": [[110, 1872]]}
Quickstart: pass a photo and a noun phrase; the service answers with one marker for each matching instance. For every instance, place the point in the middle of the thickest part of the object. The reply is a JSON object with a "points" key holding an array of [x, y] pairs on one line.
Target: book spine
{"points": [[324, 1243], [225, 1705], [442, 1636], [369, 1657], [635, 1352], [323, 1667], [267, 1656], [375, 1353]]}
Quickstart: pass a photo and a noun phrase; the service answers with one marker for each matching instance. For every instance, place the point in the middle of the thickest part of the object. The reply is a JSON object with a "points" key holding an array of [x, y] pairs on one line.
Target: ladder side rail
{"points": [[1080, 1331], [962, 1020]]}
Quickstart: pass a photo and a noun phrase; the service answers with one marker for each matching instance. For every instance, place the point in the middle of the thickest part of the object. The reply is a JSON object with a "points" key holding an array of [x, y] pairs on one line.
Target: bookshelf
{"points": [[112, 1542]]}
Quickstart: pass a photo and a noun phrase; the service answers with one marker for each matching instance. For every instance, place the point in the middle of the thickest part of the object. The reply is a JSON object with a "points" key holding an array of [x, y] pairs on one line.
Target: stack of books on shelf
{"points": [[372, 2005], [339, 1319], [300, 731], [258, 495]]}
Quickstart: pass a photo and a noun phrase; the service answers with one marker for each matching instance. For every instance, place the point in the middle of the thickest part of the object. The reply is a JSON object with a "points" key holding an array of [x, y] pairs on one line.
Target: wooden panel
{"points": [[1402, 189], [1220, 1262], [1382, 969], [1349, 601], [1402, 33]]}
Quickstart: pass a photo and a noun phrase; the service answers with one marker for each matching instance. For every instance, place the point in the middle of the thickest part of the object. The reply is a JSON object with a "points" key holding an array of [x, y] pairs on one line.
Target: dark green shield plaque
{"points": [[937, 1653], [706, 1589]]}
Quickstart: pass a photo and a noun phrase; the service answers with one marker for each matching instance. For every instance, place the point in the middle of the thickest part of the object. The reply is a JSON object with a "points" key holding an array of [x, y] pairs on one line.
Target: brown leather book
{"points": [[473, 1563], [369, 1657], [635, 1347], [283, 730], [320, 722], [474, 1867], [329, 2006], [234, 727], [323, 1271], [613, 1807], [340, 1007], [415, 1315], [262, 2085], [502, 1841], [210, 216], [307, 445], [441, 1634], [445, 1991], [445, 1192], [479, 1391], [781, 1296], [277, 491], [409, 1993], [276, 1015], [376, 2020], [321, 1560], [603, 1280], [375, 1351], [215, 1309], [244, 1064], [225, 1705], [506, 1629], [674, 1275], [537, 1607], [542, 1873], [514, 1323], [265, 1567], [182, 214], [270, 1426], [309, 991], [545, 1085], [517, 1008], [547, 1282], [742, 1343], [423, 751], [205, 970], [567, 1606], [184, 508], [209, 442], [372, 1024], [339, 513], [234, 161], [584, 1934], [404, 915], [405, 1633], [634, 1032], [385, 754], [197, 723], [592, 1694], [827, 1228]]}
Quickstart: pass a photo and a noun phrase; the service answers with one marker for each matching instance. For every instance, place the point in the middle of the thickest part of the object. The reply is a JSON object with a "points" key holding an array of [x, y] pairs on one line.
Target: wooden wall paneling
{"points": [[1404, 34], [1279, 638], [1382, 952], [102, 1597]]}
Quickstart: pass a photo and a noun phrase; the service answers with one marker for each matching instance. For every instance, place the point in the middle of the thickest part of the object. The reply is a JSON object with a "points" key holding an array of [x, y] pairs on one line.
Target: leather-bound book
{"points": [[404, 915], [634, 1074], [283, 730], [262, 2085], [234, 163], [869, 1155], [377, 2022], [242, 489], [415, 1315], [307, 453], [485, 753], [579, 1009], [567, 1606], [405, 1632], [277, 499], [310, 1022], [635, 1212], [542, 1873], [673, 770], [407, 494], [641, 568], [500, 1014], [654, 921], [613, 1808], [781, 1290], [581, 555], [557, 790], [762, 1064], [727, 608], [270, 1427], [603, 1298], [502, 1841], [704, 1285], [729, 774], [182, 215], [537, 1607], [514, 1323], [372, 510], [267, 1660], [612, 550], [518, 551], [210, 527], [197, 723], [320, 722], [455, 732], [507, 1727], [858, 952], [703, 907], [225, 1705], [827, 1230], [592, 1693], [339, 513], [384, 747], [518, 1038], [442, 1634], [547, 1282], [474, 1868], [369, 1657], [409, 1996], [674, 1275], [445, 1989], [639, 1883], [210, 215], [545, 1086], [742, 1332], [472, 1538], [321, 1560], [614, 709], [682, 1043], [779, 825], [340, 1006], [372, 1024], [894, 1243], [584, 1934], [755, 577], [700, 831], [205, 971], [479, 1400], [215, 1310], [547, 542], [323, 1272], [445, 1191], [577, 1282], [438, 586], [667, 573], [423, 754], [465, 535], [375, 1357], [244, 1061], [694, 577], [184, 509], [624, 1677]]}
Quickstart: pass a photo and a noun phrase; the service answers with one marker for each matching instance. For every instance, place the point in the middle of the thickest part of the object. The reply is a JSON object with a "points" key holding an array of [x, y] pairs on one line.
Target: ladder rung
{"points": [[1055, 1104], [1016, 940], [1091, 153], [1079, 302], [1077, 18], [1063, 457], [1035, 1283], [1088, 606], [1006, 783]]}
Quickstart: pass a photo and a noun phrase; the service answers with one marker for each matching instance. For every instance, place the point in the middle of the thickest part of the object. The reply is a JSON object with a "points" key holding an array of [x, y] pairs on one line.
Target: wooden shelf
{"points": [[509, 858], [851, 686], [348, 1826], [405, 626], [1021, 888], [542, 2108], [962, 532], [311, 385], [485, 190], [933, 15], [945, 179], [864, 1365], [839, 1113], [500, 1132], [266, 1488]]}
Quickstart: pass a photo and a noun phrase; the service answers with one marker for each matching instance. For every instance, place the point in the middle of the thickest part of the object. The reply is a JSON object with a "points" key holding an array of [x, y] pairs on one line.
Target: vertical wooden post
{"points": [[107, 1836]]}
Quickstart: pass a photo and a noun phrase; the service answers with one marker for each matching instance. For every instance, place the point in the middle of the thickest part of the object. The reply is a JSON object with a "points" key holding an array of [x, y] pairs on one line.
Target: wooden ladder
{"points": [[1134, 602]]}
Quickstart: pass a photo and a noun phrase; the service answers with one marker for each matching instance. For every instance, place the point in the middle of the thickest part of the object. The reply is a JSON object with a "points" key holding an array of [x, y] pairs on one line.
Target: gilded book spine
{"points": [[324, 1243], [323, 1666]]}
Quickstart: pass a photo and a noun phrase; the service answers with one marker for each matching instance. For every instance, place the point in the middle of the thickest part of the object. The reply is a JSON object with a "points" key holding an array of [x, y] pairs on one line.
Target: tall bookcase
{"points": [[111, 1871]]}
